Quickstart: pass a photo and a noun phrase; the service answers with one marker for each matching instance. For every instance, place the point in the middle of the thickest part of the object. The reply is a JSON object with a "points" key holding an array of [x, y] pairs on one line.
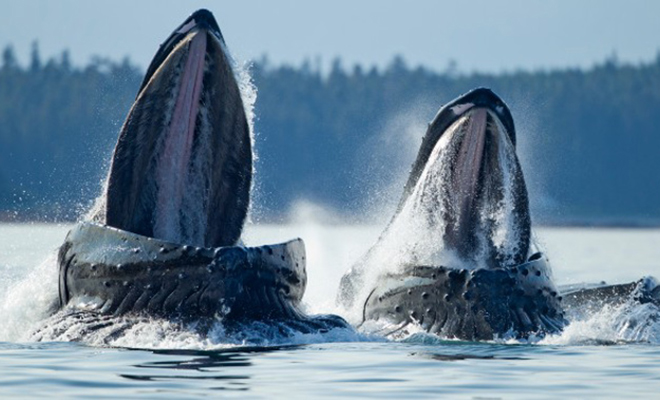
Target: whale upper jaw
{"points": [[182, 167]]}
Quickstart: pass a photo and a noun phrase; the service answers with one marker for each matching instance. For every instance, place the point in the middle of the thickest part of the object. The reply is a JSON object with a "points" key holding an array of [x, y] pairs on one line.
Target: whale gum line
{"points": [[182, 167]]}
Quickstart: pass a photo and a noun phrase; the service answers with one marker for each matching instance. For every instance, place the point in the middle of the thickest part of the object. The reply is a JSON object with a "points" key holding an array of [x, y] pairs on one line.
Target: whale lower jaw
{"points": [[480, 304], [109, 272]]}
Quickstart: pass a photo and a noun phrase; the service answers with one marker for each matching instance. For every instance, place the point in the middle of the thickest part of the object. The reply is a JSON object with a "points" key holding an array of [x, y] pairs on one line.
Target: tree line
{"points": [[589, 139]]}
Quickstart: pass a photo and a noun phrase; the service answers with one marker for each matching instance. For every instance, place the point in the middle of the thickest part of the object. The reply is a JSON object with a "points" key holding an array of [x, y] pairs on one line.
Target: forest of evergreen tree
{"points": [[589, 139]]}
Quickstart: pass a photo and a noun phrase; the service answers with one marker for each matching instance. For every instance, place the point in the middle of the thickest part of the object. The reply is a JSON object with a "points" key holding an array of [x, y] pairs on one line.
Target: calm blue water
{"points": [[601, 357]]}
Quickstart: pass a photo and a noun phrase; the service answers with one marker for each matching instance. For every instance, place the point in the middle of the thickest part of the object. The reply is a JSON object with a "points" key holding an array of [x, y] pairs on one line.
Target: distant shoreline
{"points": [[635, 223]]}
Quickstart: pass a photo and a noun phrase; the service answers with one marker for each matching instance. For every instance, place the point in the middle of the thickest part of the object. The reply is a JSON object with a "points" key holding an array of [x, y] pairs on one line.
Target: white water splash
{"points": [[162, 334], [248, 94], [628, 323], [27, 301], [249, 97]]}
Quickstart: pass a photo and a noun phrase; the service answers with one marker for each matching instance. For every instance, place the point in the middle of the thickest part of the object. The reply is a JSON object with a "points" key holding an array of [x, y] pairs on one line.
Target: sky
{"points": [[478, 35]]}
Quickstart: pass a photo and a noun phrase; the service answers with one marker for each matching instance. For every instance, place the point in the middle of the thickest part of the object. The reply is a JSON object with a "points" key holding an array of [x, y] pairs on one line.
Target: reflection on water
{"points": [[449, 369], [461, 357], [218, 365]]}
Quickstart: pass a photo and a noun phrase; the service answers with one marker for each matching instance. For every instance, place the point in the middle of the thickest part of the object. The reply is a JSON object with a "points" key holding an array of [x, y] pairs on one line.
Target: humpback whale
{"points": [[457, 258], [165, 240]]}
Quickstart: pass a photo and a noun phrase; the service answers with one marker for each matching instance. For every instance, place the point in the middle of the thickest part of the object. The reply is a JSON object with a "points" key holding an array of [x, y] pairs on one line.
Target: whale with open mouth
{"points": [[165, 240], [458, 259]]}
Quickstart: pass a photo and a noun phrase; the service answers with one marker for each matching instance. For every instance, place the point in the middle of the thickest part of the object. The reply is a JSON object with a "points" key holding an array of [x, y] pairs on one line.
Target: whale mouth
{"points": [[182, 167]]}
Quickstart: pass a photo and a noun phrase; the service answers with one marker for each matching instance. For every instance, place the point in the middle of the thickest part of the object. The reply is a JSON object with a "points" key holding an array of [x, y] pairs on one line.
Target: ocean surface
{"points": [[611, 354]]}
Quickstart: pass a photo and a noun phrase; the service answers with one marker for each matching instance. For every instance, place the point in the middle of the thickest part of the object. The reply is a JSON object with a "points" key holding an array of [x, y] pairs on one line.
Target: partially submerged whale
{"points": [[458, 259], [165, 241]]}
